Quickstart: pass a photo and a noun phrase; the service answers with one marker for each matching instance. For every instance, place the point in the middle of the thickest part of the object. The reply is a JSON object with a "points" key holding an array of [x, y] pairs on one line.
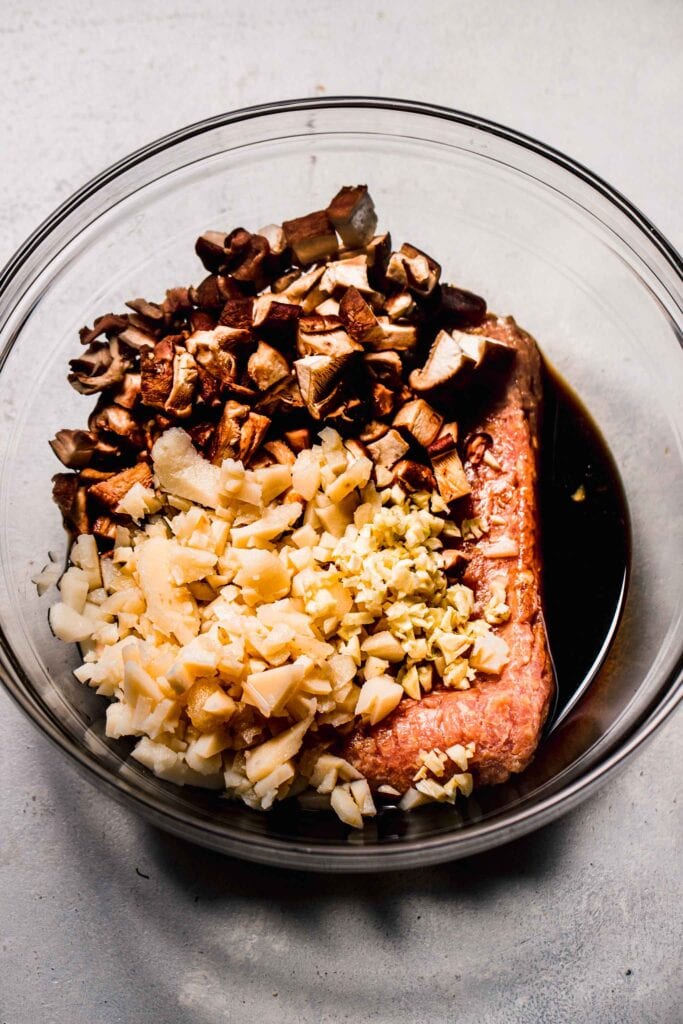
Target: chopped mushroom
{"points": [[71, 499], [238, 313], [445, 361], [281, 452], [276, 320], [358, 317], [420, 420], [479, 348], [476, 447], [312, 237], [324, 335], [352, 212], [214, 291], [349, 273], [318, 377], [149, 310], [400, 304], [128, 393], [450, 474], [110, 492], [210, 247], [299, 439], [252, 433], [388, 449], [74, 448], [225, 442], [396, 334], [378, 251], [213, 350], [385, 366], [413, 269], [284, 398], [275, 237], [382, 399], [460, 308], [249, 263], [156, 373], [179, 401], [100, 367], [414, 476], [113, 419], [109, 324], [267, 367]]}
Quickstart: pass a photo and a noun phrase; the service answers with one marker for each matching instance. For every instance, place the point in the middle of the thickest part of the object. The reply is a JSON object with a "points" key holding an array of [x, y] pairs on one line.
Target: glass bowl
{"points": [[536, 233]]}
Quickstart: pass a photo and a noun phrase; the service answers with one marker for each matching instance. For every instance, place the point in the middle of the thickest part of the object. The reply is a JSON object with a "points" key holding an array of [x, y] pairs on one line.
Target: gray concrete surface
{"points": [[105, 920]]}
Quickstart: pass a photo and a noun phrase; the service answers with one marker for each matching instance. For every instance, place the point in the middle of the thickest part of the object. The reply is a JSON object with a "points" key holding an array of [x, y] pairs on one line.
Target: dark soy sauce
{"points": [[585, 543]]}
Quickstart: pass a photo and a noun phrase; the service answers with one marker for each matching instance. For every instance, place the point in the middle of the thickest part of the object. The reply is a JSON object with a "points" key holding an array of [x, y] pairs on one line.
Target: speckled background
{"points": [[105, 920]]}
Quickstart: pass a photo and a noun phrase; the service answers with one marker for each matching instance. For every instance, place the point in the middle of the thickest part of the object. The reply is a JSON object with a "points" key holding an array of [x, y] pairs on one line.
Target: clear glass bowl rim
{"points": [[406, 853]]}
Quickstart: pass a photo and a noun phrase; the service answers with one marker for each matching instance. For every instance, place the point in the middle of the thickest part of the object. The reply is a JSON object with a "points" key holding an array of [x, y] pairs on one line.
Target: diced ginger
{"points": [[355, 476], [273, 480], [138, 502], [211, 743], [271, 524], [181, 470], [190, 564], [411, 799], [208, 692], [458, 755], [375, 667], [305, 537], [69, 625], [73, 587], [360, 791], [378, 697], [345, 807], [275, 780], [306, 476], [489, 654], [171, 609], [84, 554], [262, 575], [137, 682], [411, 683], [270, 690], [343, 668], [194, 659], [328, 768], [384, 645], [264, 759]]}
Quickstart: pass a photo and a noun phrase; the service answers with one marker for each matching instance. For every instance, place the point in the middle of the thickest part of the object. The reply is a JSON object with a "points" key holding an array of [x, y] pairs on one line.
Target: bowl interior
{"points": [[505, 222]]}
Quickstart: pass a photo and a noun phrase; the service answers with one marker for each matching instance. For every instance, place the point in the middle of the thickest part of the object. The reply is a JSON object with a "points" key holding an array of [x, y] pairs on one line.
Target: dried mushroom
{"points": [[352, 212], [460, 308], [413, 269], [267, 366], [100, 367], [324, 335], [110, 492], [319, 382], [74, 448], [358, 317], [446, 360], [420, 420], [311, 238], [254, 358]]}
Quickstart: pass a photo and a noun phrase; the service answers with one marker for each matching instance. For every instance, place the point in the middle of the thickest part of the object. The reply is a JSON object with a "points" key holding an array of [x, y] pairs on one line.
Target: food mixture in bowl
{"points": [[306, 523]]}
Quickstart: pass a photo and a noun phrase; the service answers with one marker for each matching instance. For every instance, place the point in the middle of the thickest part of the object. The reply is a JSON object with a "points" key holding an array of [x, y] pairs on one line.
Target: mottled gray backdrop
{"points": [[103, 920]]}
